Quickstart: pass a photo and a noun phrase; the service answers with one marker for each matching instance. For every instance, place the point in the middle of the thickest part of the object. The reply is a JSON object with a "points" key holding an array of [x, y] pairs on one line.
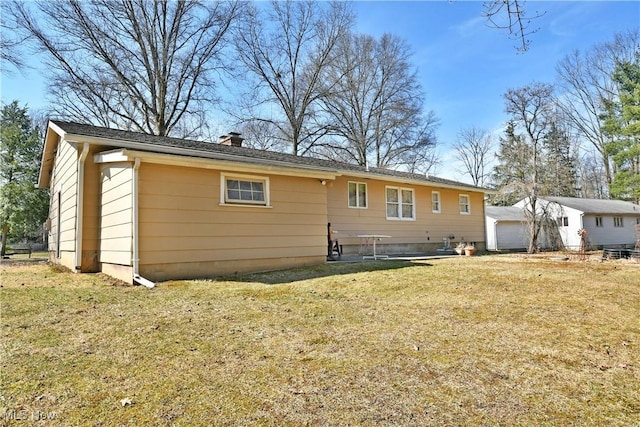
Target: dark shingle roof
{"points": [[597, 206], [164, 144]]}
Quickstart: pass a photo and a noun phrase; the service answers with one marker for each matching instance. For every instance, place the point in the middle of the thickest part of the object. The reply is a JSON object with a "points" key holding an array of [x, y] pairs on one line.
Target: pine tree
{"points": [[559, 171], [23, 208], [622, 123], [513, 170]]}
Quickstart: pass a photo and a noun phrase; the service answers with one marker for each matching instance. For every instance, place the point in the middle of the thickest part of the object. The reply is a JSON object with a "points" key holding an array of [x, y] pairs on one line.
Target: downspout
{"points": [[137, 279], [80, 205]]}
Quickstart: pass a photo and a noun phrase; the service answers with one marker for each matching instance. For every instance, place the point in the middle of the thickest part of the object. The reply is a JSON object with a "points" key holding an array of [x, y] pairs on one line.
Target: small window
{"points": [[400, 203], [598, 221], [357, 195], [245, 190], [562, 221], [463, 200], [617, 221], [435, 201]]}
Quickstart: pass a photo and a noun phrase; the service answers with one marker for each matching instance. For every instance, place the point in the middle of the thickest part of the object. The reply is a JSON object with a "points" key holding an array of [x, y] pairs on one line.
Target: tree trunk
{"points": [[5, 231]]}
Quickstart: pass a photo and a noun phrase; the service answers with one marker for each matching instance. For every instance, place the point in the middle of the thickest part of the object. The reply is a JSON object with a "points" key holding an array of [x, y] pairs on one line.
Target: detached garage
{"points": [[506, 228]]}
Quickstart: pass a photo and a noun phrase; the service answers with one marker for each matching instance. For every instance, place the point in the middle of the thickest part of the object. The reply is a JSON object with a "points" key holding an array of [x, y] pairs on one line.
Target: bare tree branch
{"points": [[136, 64], [511, 15], [375, 105], [530, 108], [473, 147], [286, 52], [586, 82]]}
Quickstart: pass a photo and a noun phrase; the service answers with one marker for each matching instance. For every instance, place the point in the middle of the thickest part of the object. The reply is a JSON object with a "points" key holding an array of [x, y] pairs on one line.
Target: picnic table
{"points": [[366, 238]]}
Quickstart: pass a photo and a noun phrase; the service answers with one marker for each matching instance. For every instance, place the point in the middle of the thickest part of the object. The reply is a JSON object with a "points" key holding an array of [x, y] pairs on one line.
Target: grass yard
{"points": [[492, 340]]}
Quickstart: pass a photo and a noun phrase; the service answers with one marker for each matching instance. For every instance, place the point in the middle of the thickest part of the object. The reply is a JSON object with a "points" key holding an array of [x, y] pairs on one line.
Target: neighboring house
{"points": [[609, 223], [144, 208], [507, 228]]}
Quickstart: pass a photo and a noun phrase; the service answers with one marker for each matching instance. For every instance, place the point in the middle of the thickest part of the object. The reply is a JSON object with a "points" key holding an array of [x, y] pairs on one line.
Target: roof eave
{"points": [[410, 180], [53, 135], [192, 153], [129, 155]]}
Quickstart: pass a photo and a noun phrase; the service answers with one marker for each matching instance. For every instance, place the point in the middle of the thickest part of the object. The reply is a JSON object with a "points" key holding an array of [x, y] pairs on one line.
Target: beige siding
{"points": [[63, 183], [425, 232], [116, 211], [184, 229], [91, 214]]}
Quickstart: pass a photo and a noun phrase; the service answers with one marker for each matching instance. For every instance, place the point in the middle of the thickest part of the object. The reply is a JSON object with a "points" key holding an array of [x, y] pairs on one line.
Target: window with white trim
{"points": [[617, 221], [400, 203], [435, 201], [562, 221], [598, 221], [244, 190], [465, 205], [357, 195]]}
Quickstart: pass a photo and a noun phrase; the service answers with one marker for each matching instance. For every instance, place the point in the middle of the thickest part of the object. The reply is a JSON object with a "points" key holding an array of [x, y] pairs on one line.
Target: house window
{"points": [[244, 190], [598, 221], [617, 221], [357, 195], [463, 201], [435, 201], [400, 203], [562, 221]]}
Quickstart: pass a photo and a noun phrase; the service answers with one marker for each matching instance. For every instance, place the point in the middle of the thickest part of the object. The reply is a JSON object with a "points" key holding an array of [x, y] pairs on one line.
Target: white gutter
{"points": [[79, 205], [136, 250]]}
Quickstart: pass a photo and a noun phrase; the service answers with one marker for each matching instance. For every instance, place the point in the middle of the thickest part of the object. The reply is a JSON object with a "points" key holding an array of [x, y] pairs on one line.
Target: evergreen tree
{"points": [[513, 170], [559, 171], [622, 123], [23, 208]]}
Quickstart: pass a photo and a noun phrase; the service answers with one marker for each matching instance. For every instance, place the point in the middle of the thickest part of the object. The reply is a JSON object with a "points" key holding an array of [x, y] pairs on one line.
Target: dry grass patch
{"points": [[462, 341]]}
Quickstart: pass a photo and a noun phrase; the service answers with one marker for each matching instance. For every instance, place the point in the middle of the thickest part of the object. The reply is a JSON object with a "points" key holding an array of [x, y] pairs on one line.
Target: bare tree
{"points": [[375, 105], [585, 81], [10, 38], [511, 15], [589, 180], [530, 108], [473, 147], [135, 64], [285, 47], [259, 135]]}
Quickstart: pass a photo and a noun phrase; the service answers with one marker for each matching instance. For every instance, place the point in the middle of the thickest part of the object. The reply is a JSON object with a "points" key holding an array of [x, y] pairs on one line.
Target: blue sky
{"points": [[463, 65]]}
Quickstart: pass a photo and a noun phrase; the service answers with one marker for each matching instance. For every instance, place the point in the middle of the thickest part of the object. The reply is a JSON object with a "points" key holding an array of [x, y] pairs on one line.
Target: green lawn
{"points": [[492, 340]]}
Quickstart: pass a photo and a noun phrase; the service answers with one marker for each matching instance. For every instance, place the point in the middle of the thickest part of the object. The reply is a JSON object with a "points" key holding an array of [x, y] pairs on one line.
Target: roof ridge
{"points": [[84, 129]]}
